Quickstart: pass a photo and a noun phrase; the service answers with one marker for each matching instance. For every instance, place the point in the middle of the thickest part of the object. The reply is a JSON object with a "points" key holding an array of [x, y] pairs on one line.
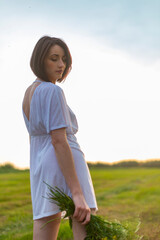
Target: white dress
{"points": [[49, 111]]}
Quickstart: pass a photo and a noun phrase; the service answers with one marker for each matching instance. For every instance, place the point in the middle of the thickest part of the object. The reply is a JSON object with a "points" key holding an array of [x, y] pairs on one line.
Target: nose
{"points": [[61, 63]]}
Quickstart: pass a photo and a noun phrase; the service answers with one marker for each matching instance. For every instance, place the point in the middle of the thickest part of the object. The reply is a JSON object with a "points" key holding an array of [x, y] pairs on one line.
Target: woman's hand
{"points": [[65, 159], [82, 212]]}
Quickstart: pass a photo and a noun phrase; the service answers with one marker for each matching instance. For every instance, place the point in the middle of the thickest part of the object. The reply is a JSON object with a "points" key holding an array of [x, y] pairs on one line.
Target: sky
{"points": [[113, 87]]}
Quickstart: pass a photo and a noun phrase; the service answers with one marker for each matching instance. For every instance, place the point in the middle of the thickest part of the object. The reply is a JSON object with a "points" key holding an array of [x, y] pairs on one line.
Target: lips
{"points": [[60, 71]]}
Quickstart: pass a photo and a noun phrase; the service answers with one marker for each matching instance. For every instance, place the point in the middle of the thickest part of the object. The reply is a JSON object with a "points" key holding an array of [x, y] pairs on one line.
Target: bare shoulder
{"points": [[27, 98], [30, 90]]}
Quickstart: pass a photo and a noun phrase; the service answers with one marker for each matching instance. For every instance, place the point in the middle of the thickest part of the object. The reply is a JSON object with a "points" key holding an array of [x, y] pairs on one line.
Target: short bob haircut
{"points": [[41, 50]]}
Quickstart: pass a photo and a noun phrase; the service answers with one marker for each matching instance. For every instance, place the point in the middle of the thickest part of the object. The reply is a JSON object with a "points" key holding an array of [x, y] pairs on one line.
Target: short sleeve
{"points": [[55, 113]]}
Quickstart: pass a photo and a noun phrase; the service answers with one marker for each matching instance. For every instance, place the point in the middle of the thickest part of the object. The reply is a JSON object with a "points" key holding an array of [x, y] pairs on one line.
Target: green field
{"points": [[122, 194]]}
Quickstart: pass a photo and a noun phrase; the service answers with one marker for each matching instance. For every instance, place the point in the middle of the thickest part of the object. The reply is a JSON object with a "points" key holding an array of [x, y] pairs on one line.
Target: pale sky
{"points": [[114, 84]]}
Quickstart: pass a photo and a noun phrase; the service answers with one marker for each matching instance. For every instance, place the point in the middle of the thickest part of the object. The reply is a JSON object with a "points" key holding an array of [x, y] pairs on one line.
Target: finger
{"points": [[87, 220], [77, 212], [82, 217]]}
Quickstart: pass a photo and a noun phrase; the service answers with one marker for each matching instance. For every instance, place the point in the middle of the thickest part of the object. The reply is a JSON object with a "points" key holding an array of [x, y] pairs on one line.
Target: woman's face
{"points": [[55, 63]]}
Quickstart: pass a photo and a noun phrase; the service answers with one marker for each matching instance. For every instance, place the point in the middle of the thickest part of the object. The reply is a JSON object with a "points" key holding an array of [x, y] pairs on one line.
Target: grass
{"points": [[122, 194]]}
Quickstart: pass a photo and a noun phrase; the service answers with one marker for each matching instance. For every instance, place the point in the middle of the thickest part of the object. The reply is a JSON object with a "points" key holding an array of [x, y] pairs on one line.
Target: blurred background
{"points": [[113, 87]]}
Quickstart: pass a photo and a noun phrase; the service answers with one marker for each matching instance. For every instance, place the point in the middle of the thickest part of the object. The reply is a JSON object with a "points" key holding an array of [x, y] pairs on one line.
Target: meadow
{"points": [[125, 194]]}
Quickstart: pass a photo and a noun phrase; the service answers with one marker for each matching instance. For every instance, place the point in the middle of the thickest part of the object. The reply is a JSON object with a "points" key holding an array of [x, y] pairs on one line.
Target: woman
{"points": [[55, 155]]}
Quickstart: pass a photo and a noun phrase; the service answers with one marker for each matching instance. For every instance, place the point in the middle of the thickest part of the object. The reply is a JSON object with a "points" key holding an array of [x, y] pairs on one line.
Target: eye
{"points": [[54, 59], [64, 59]]}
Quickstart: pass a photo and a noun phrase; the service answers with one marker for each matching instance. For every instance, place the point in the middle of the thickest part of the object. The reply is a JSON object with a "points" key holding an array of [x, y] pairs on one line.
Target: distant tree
{"points": [[153, 164], [126, 164], [7, 167], [98, 165]]}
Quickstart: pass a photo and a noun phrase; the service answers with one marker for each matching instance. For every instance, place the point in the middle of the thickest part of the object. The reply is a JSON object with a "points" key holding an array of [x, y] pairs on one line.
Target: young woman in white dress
{"points": [[55, 155]]}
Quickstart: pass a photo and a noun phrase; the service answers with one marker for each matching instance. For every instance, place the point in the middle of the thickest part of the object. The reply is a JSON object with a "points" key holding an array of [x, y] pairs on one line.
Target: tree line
{"points": [[9, 167], [127, 164]]}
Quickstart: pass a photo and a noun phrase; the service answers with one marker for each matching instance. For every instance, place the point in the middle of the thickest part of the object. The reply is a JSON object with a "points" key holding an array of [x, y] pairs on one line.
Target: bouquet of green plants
{"points": [[97, 228]]}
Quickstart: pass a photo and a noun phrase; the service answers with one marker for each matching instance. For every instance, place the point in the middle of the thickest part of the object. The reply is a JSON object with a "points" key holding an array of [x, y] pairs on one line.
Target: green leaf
{"points": [[97, 228]]}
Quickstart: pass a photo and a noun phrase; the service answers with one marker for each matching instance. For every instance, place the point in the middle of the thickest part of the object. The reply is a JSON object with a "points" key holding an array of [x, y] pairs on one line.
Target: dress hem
{"points": [[48, 214]]}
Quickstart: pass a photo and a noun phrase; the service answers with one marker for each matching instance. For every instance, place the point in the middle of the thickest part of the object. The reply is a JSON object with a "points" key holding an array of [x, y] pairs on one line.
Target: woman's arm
{"points": [[66, 163]]}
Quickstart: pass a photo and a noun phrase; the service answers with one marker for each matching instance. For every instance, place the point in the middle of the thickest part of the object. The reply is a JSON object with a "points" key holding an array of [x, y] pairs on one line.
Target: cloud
{"points": [[132, 26]]}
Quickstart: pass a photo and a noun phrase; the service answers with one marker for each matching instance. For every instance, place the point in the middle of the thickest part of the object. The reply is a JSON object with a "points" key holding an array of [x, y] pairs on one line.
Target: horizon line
{"points": [[91, 162]]}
